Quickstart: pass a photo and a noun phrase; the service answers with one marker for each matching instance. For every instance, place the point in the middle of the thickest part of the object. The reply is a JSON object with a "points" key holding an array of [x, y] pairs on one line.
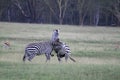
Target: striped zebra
{"points": [[34, 49], [62, 50]]}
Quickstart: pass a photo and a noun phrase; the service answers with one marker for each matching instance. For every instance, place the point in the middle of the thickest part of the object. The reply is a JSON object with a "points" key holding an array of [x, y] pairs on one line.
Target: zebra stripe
{"points": [[34, 49], [62, 50]]}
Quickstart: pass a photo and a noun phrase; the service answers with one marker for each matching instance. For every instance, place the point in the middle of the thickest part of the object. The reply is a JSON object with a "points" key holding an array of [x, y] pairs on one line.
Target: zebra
{"points": [[62, 50], [45, 47]]}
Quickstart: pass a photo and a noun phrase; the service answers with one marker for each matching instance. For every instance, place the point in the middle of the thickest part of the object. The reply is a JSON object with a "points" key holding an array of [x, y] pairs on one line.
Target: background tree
{"points": [[114, 8], [3, 6], [85, 7], [58, 8], [75, 12]]}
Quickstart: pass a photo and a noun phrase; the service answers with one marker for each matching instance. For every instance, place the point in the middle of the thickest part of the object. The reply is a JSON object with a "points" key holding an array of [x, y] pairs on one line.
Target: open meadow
{"points": [[95, 49]]}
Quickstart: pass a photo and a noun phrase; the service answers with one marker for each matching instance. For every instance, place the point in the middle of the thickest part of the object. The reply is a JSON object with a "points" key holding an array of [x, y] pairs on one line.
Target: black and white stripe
{"points": [[34, 49], [46, 48], [62, 50]]}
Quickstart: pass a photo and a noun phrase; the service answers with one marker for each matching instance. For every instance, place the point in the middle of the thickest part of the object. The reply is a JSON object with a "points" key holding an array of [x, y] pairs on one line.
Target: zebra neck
{"points": [[54, 36], [51, 41]]}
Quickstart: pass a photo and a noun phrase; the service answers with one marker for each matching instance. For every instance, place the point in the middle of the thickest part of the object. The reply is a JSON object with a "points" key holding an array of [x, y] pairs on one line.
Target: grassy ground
{"points": [[96, 50]]}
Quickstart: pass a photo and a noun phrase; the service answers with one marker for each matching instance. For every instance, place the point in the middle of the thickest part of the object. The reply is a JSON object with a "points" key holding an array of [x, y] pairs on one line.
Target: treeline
{"points": [[73, 12]]}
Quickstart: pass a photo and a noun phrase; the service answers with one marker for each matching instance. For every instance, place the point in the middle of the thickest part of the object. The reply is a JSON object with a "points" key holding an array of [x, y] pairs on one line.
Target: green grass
{"points": [[96, 50], [16, 71]]}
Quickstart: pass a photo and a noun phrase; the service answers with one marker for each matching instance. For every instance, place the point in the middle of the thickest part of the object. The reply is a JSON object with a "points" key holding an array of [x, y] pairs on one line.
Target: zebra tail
{"points": [[72, 59]]}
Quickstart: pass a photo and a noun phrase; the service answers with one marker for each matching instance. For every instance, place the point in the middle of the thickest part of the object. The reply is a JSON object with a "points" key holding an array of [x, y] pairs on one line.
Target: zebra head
{"points": [[55, 35]]}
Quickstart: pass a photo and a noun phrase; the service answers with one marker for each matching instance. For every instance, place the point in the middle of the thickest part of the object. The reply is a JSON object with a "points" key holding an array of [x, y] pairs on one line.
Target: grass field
{"points": [[96, 50]]}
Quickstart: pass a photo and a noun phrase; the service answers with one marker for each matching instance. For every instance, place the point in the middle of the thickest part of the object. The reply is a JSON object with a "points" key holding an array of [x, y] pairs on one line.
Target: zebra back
{"points": [[40, 48]]}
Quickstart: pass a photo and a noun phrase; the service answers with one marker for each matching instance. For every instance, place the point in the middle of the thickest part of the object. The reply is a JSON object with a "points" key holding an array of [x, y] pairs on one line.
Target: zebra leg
{"points": [[47, 57], [25, 55], [31, 56], [59, 59], [66, 57]]}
